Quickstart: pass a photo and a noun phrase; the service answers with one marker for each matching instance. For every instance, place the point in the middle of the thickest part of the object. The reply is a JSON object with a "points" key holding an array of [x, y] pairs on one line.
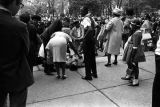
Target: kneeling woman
{"points": [[133, 54]]}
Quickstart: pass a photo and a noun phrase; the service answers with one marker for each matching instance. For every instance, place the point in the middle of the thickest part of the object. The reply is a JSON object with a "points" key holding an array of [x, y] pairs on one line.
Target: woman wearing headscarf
{"points": [[114, 29], [46, 35], [133, 54]]}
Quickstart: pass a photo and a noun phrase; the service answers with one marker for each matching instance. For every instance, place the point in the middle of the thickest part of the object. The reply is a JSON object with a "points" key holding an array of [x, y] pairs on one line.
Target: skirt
{"points": [[127, 56], [127, 53]]}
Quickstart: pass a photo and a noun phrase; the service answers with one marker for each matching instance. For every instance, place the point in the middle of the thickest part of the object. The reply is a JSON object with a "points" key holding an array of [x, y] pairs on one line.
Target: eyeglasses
{"points": [[21, 5]]}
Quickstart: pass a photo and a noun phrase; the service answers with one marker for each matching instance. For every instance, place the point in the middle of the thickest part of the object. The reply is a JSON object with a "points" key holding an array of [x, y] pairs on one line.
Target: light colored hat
{"points": [[117, 11]]}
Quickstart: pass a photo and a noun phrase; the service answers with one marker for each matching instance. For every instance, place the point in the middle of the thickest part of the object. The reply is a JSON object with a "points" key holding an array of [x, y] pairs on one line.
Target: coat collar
{"points": [[4, 10]]}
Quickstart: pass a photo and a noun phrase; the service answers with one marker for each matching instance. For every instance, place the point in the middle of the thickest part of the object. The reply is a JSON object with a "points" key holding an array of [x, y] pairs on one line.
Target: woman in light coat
{"points": [[114, 30]]}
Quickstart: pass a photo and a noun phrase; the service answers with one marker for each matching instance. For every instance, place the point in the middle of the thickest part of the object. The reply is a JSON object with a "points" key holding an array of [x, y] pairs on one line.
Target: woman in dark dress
{"points": [[45, 36]]}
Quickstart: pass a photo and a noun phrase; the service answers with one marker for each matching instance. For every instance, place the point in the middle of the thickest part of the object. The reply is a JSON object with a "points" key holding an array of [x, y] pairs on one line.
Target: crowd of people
{"points": [[28, 41]]}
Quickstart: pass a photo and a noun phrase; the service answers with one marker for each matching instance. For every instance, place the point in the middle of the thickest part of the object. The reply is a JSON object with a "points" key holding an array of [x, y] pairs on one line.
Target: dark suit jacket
{"points": [[15, 73], [89, 42]]}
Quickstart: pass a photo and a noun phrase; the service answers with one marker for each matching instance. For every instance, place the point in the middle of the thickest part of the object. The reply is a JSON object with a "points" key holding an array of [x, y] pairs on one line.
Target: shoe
{"points": [[87, 78], [94, 76], [127, 77], [115, 62], [108, 65], [135, 82], [58, 76], [64, 77], [124, 78]]}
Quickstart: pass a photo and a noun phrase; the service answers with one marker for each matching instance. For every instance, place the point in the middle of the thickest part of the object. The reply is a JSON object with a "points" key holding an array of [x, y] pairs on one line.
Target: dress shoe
{"points": [[127, 77], [58, 76], [108, 65], [115, 62], [94, 76], [64, 77], [133, 85], [87, 78]]}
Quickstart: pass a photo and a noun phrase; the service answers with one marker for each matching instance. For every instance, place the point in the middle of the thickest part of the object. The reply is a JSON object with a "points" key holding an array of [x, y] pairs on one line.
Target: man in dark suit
{"points": [[88, 46], [156, 82], [15, 73]]}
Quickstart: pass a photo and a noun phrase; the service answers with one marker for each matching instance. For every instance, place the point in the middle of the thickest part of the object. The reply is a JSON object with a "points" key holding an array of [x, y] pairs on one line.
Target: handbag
{"points": [[41, 51], [146, 35], [101, 33]]}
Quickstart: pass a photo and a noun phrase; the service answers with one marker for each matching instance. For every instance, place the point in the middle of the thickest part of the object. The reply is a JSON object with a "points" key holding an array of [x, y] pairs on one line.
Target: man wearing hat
{"points": [[113, 30]]}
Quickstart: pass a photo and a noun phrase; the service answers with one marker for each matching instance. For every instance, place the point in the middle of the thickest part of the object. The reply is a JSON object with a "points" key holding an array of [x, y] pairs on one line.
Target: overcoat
{"points": [[114, 30], [15, 73]]}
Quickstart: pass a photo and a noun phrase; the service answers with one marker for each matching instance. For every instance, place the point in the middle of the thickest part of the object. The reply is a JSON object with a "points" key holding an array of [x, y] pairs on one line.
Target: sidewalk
{"points": [[106, 91]]}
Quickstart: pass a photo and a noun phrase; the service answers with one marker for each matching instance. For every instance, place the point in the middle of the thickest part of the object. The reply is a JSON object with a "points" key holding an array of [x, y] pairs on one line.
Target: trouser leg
{"points": [[3, 97], [129, 70], [87, 66], [57, 68], [93, 65], [136, 70], [46, 66], [115, 60], [18, 98], [109, 58], [63, 68], [156, 84]]}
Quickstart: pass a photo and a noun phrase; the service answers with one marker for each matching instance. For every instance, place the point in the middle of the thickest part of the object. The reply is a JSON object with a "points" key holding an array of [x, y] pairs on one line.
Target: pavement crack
{"points": [[50, 99], [99, 90], [146, 70]]}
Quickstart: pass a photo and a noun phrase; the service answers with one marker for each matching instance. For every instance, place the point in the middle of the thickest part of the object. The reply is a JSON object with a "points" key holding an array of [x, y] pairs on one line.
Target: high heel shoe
{"points": [[115, 62], [108, 65]]}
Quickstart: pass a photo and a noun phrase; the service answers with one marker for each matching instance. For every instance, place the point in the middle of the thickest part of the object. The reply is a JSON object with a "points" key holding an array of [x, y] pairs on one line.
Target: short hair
{"points": [[36, 17], [129, 11], [25, 17], [147, 17], [5, 3], [84, 10], [66, 19]]}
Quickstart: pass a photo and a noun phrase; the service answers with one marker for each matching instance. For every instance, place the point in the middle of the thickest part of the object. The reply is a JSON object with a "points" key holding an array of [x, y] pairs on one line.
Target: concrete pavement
{"points": [[106, 91]]}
